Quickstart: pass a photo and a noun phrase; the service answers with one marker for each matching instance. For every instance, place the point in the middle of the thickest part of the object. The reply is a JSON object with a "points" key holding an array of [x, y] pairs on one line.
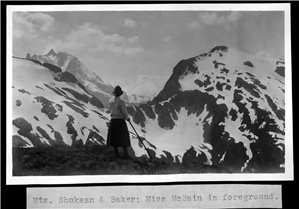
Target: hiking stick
{"points": [[141, 141]]}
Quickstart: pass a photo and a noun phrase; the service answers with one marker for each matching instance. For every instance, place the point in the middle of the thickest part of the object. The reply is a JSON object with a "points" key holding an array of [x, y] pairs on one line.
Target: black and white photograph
{"points": [[137, 93]]}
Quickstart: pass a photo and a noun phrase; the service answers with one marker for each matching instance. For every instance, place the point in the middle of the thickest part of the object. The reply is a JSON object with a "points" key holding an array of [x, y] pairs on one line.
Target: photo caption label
{"points": [[177, 196]]}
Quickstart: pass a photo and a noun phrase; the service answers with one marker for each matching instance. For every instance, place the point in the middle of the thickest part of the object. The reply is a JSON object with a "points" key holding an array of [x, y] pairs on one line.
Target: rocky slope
{"points": [[51, 107], [57, 161]]}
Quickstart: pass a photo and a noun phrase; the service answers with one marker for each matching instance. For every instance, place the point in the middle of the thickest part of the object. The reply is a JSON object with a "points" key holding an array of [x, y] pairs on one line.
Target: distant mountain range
{"points": [[144, 88], [92, 82]]}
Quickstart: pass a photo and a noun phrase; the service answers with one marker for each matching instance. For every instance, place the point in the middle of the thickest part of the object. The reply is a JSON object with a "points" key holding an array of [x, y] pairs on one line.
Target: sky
{"points": [[125, 46]]}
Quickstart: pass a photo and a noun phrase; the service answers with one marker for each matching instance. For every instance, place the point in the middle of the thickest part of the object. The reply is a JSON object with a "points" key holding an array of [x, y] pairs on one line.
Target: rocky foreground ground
{"points": [[100, 160]]}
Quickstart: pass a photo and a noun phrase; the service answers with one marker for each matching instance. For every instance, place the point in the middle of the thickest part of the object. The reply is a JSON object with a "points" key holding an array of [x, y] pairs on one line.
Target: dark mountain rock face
{"points": [[280, 69], [28, 56], [219, 86], [248, 63], [74, 104], [48, 107], [24, 91], [18, 141], [252, 89], [172, 86], [18, 102], [52, 67], [95, 135], [206, 83], [191, 156], [56, 142], [25, 129], [216, 64], [256, 81], [224, 71], [78, 96], [219, 49], [70, 128], [280, 113]]}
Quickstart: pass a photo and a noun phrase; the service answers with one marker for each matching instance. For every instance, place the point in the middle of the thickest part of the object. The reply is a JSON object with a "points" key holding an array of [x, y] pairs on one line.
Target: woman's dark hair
{"points": [[118, 91]]}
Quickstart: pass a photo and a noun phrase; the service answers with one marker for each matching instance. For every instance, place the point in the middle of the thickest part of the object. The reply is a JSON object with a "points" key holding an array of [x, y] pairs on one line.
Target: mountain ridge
{"points": [[244, 102], [67, 62], [92, 82]]}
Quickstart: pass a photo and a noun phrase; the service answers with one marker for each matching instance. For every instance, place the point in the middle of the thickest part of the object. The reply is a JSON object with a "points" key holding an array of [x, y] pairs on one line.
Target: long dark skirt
{"points": [[118, 134]]}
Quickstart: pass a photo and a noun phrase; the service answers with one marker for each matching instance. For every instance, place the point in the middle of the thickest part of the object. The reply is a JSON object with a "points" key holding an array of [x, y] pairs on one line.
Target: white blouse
{"points": [[118, 108]]}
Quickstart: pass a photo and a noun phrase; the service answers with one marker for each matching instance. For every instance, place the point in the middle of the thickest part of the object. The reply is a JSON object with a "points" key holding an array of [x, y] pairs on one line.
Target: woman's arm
{"points": [[124, 109], [110, 105]]}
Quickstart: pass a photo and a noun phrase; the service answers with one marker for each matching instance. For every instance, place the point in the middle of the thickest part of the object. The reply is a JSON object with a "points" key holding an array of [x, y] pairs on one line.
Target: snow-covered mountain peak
{"points": [[219, 49], [51, 53], [240, 91], [148, 87], [68, 62]]}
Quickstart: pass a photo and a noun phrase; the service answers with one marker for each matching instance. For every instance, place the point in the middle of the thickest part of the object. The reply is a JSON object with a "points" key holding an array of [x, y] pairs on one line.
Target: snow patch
{"points": [[222, 158], [262, 125], [232, 128], [185, 128]]}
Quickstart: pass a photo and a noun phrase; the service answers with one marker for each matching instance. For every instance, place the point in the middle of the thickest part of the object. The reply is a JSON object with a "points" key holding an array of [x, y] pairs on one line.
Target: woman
{"points": [[118, 134]]}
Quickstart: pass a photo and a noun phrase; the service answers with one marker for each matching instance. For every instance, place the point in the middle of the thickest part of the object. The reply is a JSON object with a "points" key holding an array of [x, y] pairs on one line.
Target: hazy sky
{"points": [[120, 46]]}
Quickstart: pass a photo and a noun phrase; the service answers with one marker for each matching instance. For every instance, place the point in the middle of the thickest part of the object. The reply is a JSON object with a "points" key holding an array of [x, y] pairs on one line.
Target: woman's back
{"points": [[118, 108]]}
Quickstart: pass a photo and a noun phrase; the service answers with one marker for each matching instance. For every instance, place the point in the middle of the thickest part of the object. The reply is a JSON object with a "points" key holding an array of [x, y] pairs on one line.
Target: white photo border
{"points": [[289, 164]]}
